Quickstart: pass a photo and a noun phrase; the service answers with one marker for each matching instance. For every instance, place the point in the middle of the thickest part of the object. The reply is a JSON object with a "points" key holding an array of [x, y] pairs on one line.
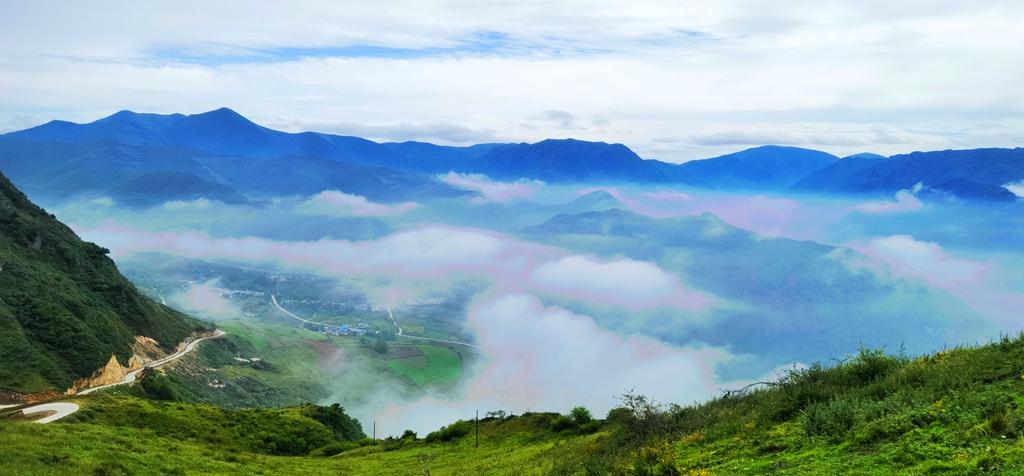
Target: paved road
{"points": [[64, 409], [59, 409], [133, 375], [445, 341], [273, 299]]}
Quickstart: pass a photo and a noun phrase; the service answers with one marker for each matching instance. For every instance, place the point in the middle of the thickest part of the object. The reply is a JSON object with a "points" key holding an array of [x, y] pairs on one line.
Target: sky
{"points": [[674, 80]]}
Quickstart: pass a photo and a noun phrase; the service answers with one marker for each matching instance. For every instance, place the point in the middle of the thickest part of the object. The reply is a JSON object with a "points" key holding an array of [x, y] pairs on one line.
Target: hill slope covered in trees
{"points": [[64, 307]]}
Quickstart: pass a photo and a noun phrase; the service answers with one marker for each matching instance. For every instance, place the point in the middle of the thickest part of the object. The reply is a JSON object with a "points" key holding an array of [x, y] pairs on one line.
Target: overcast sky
{"points": [[673, 80]]}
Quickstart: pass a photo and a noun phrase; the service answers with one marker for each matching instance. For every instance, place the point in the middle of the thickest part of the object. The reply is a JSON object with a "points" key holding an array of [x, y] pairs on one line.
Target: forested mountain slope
{"points": [[64, 307]]}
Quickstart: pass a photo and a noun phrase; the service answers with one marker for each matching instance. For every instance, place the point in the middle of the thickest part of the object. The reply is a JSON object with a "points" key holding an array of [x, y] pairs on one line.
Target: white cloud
{"points": [[905, 201], [206, 301], [426, 252], [103, 202], [538, 357], [420, 259], [621, 282], [197, 204], [667, 196], [493, 190], [335, 203], [1016, 188], [923, 260], [838, 75], [990, 287]]}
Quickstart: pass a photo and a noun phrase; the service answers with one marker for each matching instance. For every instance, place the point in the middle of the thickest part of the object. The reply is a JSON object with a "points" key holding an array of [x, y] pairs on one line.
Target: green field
{"points": [[434, 366]]}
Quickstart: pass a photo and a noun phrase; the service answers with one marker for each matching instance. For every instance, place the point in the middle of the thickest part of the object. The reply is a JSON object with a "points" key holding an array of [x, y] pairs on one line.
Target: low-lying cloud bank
{"points": [[533, 355], [991, 288], [546, 358], [335, 203], [619, 282], [492, 190], [205, 300], [414, 257], [905, 201]]}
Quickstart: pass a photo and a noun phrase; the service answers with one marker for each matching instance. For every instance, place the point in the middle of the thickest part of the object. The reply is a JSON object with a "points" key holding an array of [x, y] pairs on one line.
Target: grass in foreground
{"points": [[959, 411]]}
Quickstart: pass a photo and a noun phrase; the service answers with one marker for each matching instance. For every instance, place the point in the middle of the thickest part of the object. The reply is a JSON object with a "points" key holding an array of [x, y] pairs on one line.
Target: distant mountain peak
{"points": [[599, 199], [865, 155], [222, 114], [601, 194], [122, 114]]}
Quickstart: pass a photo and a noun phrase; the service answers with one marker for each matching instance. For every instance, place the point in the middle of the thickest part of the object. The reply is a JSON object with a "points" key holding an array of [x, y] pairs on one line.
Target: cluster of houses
{"points": [[360, 329], [426, 302]]}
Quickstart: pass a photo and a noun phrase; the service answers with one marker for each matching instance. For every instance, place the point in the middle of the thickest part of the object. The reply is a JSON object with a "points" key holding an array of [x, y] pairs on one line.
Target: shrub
{"points": [[870, 365], [451, 432], [335, 448], [562, 423], [644, 419], [657, 460], [832, 419], [589, 428], [159, 387]]}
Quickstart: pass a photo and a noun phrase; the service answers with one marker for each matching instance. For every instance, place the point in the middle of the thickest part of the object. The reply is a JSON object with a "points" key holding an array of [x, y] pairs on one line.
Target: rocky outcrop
{"points": [[147, 349], [111, 373]]}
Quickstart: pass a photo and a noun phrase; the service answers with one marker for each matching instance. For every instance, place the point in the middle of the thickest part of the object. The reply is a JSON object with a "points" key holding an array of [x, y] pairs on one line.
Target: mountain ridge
{"points": [[971, 174]]}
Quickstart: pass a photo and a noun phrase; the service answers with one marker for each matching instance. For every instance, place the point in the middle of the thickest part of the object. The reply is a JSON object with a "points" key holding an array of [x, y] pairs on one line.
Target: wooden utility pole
{"points": [[478, 428], [374, 429]]}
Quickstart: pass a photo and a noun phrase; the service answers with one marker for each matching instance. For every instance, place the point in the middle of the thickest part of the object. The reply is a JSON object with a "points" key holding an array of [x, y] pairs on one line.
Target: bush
{"points": [[832, 419], [159, 387], [451, 432], [870, 365], [644, 419], [335, 448], [657, 460], [562, 423]]}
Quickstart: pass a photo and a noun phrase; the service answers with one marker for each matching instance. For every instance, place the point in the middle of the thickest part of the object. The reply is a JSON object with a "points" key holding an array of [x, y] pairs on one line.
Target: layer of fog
{"points": [[554, 325]]}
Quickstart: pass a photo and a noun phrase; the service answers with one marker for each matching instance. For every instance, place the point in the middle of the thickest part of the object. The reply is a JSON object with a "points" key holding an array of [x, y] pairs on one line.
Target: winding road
{"points": [[63, 409], [273, 299], [391, 315], [400, 334], [59, 410]]}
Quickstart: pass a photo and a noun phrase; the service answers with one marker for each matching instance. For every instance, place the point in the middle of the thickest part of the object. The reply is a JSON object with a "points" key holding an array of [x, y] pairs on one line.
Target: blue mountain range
{"points": [[221, 154]]}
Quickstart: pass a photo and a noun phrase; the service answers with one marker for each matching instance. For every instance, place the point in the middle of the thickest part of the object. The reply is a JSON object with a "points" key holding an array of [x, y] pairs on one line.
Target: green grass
{"points": [[958, 412], [437, 366], [288, 372], [140, 441]]}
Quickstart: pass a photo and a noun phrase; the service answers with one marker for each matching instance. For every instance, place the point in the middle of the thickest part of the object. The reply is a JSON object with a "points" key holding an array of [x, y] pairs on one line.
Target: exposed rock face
{"points": [[147, 349], [144, 351], [113, 372]]}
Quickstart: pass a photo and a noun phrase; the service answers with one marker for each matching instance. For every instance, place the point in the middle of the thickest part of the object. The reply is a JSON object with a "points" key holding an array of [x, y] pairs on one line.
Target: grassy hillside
{"points": [[64, 308], [955, 412]]}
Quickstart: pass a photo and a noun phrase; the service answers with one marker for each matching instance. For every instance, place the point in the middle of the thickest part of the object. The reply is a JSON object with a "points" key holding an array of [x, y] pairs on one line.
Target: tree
{"points": [[581, 415], [380, 345], [334, 417]]}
